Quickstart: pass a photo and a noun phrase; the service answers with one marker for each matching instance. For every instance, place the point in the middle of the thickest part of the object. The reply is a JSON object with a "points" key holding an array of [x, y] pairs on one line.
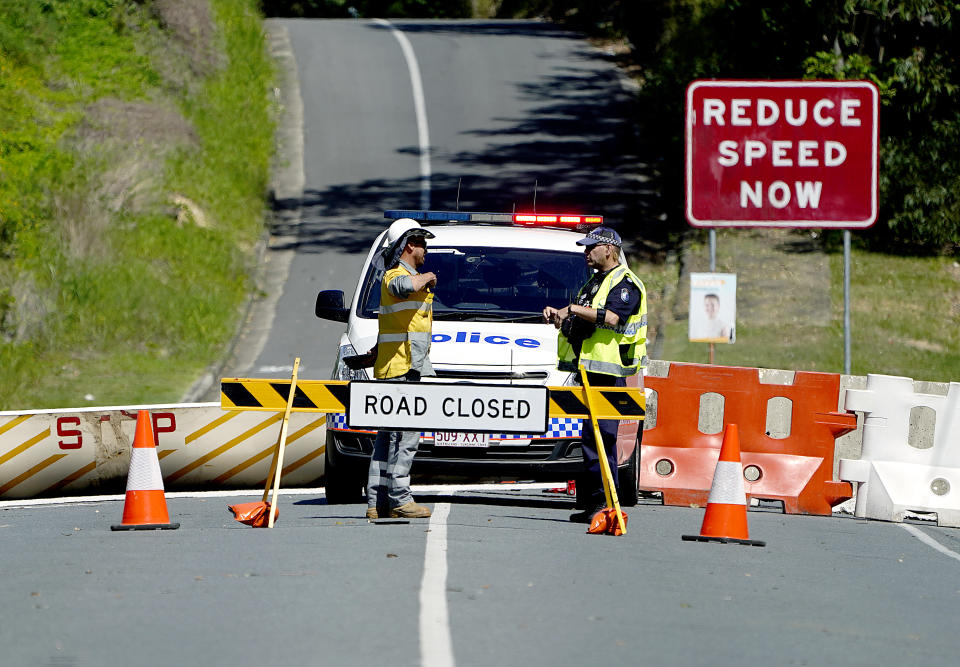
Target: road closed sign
{"points": [[462, 407], [781, 154]]}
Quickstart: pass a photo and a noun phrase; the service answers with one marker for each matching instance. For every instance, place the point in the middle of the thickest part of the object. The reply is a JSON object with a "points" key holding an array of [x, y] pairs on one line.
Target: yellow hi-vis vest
{"points": [[621, 350], [400, 320]]}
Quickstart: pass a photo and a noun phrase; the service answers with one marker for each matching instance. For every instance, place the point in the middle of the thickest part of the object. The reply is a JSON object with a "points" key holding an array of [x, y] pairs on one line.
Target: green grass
{"points": [[905, 311], [905, 315], [105, 297]]}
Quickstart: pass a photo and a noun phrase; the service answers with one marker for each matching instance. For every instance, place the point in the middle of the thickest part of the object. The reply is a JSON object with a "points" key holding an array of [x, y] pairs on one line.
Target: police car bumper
{"points": [[556, 455]]}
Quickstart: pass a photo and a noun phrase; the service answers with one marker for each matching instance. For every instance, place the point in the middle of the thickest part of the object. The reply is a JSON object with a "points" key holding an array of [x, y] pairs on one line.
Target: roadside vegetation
{"points": [[135, 141]]}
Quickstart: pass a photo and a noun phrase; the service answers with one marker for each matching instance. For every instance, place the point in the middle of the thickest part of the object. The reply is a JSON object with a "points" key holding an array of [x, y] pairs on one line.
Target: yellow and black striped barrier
{"points": [[334, 396], [271, 395], [608, 402]]}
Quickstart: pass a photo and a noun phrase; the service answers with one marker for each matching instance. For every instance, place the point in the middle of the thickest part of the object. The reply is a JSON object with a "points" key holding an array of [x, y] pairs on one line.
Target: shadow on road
{"points": [[576, 146]]}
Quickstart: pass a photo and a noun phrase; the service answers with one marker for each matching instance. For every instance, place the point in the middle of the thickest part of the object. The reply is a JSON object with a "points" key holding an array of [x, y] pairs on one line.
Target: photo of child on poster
{"points": [[713, 307]]}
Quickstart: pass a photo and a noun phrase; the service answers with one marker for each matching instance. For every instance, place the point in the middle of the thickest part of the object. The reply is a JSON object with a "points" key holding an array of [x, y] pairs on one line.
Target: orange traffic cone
{"points": [[726, 517], [145, 506]]}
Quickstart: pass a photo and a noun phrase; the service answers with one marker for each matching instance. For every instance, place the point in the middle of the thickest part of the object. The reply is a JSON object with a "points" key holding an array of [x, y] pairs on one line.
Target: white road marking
{"points": [[420, 107], [436, 649], [288, 368], [442, 489], [929, 541]]}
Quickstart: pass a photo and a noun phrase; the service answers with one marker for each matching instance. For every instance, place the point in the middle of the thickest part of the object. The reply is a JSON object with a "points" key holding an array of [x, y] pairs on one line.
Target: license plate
{"points": [[460, 439]]}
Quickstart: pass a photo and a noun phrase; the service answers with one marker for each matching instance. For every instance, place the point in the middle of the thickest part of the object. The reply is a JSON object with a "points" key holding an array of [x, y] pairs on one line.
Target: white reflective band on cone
{"points": [[728, 487], [144, 470]]}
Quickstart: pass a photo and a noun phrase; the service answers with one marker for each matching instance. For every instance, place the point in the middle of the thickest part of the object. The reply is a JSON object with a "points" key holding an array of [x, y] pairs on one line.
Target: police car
{"points": [[495, 274]]}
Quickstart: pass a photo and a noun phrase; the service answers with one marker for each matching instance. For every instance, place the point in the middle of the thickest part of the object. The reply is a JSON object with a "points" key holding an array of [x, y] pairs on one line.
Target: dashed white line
{"points": [[436, 648], [929, 541]]}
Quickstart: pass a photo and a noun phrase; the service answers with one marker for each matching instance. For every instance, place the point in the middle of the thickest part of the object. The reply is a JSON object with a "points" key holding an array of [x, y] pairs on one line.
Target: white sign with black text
{"points": [[432, 406]]}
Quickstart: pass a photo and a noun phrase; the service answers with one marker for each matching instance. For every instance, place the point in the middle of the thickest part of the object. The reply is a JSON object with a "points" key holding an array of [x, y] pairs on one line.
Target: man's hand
{"points": [[555, 316], [423, 280]]}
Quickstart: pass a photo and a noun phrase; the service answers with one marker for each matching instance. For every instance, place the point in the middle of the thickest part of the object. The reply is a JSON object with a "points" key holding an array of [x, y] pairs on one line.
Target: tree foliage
{"points": [[907, 47]]}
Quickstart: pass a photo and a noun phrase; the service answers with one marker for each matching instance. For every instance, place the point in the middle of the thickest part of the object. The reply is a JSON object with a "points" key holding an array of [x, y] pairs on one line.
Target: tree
{"points": [[906, 48]]}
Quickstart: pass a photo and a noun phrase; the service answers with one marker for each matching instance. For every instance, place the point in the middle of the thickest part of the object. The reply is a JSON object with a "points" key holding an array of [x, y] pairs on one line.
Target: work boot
{"points": [[586, 515], [410, 510], [372, 513]]}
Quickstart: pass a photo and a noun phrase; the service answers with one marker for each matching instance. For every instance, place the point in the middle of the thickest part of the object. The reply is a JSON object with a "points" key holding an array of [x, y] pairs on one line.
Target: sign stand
{"points": [[276, 467], [606, 475], [713, 268], [846, 302]]}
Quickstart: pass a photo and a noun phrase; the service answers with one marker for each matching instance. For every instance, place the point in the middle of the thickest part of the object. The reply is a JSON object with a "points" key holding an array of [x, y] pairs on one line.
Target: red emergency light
{"points": [[554, 220]]}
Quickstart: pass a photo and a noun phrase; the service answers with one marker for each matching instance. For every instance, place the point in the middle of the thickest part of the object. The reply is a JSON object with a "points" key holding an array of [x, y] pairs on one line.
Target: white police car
{"points": [[495, 274]]}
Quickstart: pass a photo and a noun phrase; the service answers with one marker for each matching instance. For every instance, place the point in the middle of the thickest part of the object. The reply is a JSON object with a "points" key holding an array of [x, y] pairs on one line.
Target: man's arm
{"points": [[589, 314], [422, 280], [622, 302], [403, 286]]}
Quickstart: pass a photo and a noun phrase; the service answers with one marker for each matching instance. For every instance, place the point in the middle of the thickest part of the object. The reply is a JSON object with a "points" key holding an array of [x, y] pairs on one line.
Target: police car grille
{"points": [[536, 451]]}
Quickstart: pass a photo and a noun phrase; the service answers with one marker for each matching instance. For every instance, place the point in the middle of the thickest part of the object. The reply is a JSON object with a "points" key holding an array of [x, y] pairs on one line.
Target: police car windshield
{"points": [[502, 284]]}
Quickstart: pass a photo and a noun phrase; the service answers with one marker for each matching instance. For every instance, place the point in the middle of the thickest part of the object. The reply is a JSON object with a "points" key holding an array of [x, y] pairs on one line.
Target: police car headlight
{"points": [[341, 372]]}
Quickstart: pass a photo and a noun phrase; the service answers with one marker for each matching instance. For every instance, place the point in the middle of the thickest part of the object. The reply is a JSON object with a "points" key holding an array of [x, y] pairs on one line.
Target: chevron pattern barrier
{"points": [[332, 396]]}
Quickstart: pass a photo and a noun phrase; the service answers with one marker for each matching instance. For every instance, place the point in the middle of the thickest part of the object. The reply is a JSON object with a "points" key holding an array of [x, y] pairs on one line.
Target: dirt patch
{"points": [[190, 24], [125, 145]]}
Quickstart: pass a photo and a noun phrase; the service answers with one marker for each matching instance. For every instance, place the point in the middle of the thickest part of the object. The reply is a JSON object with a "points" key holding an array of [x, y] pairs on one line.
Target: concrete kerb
{"points": [[286, 189]]}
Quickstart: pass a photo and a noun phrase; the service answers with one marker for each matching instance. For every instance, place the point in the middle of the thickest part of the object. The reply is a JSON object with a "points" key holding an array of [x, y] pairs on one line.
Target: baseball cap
{"points": [[601, 235], [421, 232]]}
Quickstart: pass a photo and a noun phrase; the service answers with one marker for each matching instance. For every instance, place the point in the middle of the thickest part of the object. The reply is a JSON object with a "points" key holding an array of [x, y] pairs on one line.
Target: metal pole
{"points": [[713, 267], [713, 250], [846, 301]]}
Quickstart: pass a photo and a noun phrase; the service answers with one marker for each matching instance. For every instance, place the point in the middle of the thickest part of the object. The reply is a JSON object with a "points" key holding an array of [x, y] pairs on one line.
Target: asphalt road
{"points": [[513, 114], [502, 578], [497, 576]]}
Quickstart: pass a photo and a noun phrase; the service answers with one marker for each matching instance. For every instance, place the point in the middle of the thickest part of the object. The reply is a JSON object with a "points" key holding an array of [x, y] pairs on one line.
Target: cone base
{"points": [[723, 540], [145, 526]]}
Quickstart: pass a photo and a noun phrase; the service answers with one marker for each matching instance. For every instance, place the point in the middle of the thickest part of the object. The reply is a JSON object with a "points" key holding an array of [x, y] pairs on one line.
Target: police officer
{"points": [[605, 331], [402, 354]]}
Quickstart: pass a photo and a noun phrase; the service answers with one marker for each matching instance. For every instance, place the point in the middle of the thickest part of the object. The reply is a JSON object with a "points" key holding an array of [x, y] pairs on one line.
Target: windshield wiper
{"points": [[488, 315]]}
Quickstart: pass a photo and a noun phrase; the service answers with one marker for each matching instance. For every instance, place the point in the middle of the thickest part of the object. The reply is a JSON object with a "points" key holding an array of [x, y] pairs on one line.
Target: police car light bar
{"points": [[527, 219]]}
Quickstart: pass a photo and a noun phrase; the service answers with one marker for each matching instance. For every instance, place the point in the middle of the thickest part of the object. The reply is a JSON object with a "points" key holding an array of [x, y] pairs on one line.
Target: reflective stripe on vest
{"points": [[620, 351], [400, 320], [406, 305]]}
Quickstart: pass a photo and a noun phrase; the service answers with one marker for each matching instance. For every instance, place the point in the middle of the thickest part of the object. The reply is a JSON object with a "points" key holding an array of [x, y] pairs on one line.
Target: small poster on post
{"points": [[713, 307]]}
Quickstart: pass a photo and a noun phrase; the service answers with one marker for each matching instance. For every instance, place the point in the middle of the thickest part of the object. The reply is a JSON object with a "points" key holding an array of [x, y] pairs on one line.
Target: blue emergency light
{"points": [[568, 220]]}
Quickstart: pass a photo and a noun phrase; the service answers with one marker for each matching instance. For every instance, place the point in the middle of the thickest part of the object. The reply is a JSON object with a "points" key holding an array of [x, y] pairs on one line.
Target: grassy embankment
{"points": [[135, 141], [905, 311]]}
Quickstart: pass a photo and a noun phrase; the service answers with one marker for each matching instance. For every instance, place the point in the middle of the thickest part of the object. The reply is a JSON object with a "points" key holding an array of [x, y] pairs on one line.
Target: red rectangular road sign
{"points": [[781, 154]]}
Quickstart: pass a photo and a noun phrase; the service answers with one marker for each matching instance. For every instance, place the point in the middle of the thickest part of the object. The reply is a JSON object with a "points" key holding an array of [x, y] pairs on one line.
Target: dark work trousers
{"points": [[590, 484]]}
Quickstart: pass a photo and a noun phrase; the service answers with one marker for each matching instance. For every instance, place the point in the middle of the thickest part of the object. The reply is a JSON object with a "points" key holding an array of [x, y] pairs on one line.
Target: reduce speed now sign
{"points": [[781, 154]]}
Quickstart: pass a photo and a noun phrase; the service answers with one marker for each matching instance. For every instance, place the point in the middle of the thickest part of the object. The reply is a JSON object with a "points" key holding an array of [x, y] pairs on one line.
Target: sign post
{"points": [[783, 154]]}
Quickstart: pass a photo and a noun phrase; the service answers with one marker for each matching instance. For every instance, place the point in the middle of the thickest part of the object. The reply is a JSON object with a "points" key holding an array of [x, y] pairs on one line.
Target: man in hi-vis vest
{"points": [[403, 354], [605, 331]]}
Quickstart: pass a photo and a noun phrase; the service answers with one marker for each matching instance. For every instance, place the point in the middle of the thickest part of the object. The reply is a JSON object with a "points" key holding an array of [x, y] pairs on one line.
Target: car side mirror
{"points": [[330, 306]]}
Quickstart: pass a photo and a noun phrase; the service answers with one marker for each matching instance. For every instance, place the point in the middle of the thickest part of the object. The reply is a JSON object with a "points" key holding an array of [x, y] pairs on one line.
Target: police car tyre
{"points": [[343, 483]]}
